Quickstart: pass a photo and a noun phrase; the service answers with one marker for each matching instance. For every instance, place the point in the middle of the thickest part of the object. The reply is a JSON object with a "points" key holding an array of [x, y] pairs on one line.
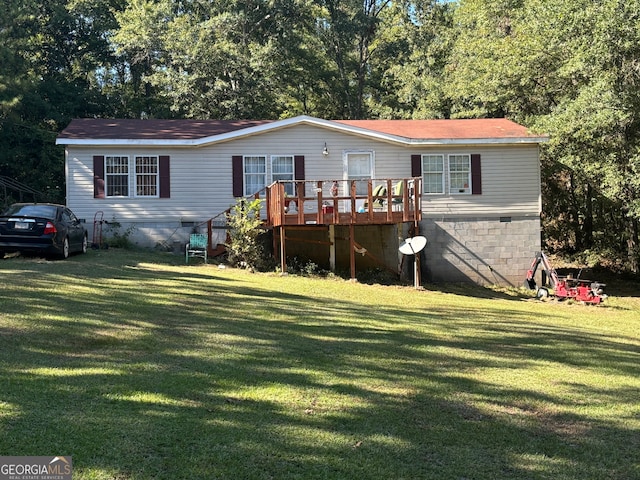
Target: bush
{"points": [[305, 267], [114, 238], [245, 247]]}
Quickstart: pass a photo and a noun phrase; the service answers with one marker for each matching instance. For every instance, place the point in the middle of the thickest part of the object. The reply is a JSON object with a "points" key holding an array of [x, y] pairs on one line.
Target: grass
{"points": [[143, 368]]}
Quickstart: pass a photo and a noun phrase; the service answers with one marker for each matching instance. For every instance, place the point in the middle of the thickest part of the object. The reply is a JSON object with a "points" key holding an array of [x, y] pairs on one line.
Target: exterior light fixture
{"points": [[325, 151]]}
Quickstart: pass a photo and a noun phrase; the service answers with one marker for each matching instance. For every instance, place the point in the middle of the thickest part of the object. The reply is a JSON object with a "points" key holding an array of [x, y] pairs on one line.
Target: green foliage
{"points": [[114, 237], [245, 228], [416, 43], [566, 68], [304, 266]]}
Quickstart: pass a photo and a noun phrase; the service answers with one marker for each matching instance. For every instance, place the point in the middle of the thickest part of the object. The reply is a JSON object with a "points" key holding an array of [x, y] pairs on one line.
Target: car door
{"points": [[75, 230]]}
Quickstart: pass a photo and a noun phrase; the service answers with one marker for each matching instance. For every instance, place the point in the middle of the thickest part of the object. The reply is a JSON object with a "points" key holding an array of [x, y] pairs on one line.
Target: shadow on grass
{"points": [[164, 375]]}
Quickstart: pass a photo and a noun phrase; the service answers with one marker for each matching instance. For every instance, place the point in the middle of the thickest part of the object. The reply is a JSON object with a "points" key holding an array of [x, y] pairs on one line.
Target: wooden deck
{"points": [[341, 202], [326, 203]]}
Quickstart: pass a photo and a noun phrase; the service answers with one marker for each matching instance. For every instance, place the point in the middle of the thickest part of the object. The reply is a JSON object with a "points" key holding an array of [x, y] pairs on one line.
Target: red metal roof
{"points": [[485, 128], [176, 130]]}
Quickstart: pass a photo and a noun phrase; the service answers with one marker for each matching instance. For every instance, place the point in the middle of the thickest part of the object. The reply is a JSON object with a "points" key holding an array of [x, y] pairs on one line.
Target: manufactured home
{"points": [[471, 187]]}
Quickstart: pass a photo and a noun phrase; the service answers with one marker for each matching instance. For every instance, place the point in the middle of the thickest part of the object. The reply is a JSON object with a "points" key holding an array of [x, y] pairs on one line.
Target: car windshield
{"points": [[45, 211]]}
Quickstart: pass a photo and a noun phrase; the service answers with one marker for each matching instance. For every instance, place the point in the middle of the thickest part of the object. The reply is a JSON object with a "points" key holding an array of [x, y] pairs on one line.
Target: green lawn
{"points": [[143, 368]]}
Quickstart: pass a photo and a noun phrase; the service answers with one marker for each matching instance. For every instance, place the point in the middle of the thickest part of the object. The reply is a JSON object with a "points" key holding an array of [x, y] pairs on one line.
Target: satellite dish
{"points": [[413, 245]]}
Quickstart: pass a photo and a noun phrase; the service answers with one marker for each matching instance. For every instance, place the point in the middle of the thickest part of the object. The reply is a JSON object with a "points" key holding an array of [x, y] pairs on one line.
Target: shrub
{"points": [[114, 238], [245, 248]]}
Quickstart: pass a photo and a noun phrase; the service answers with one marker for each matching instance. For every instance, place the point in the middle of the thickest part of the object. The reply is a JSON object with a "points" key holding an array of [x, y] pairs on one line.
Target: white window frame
{"points": [[361, 188], [246, 174], [288, 176], [152, 178], [109, 177], [465, 188], [441, 172]]}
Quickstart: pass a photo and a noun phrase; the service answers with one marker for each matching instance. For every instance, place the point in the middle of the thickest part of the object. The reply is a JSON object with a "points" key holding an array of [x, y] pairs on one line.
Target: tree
{"points": [[415, 42], [595, 125], [348, 30], [138, 44], [239, 59], [568, 69], [51, 50]]}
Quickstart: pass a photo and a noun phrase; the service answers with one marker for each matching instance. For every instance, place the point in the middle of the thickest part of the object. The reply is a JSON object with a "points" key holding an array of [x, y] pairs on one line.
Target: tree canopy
{"points": [[569, 68]]}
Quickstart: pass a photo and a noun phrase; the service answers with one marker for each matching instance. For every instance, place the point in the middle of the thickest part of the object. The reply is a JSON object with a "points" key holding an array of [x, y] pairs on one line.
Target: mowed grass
{"points": [[143, 368]]}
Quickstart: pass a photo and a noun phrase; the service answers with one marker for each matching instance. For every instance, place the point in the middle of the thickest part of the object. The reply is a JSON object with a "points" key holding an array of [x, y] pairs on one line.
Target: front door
{"points": [[358, 166]]}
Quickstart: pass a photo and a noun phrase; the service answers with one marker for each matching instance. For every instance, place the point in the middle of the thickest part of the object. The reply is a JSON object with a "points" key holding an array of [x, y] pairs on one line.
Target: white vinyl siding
{"points": [[510, 186], [202, 186]]}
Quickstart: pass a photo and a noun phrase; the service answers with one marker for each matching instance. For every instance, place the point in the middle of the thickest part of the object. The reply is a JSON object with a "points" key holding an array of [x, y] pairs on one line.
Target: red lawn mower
{"points": [[563, 287]]}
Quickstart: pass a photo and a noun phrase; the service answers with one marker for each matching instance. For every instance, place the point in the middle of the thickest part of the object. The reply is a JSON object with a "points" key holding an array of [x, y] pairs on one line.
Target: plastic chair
{"points": [[397, 202], [197, 246], [378, 203]]}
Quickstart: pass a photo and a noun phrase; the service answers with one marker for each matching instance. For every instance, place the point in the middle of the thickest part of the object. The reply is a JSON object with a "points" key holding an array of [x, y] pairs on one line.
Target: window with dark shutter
{"points": [[165, 176], [299, 167], [237, 176], [416, 165], [98, 176], [476, 175]]}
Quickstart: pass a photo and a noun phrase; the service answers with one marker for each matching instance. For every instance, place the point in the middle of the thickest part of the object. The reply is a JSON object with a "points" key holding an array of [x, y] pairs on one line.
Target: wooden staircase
{"points": [[217, 223]]}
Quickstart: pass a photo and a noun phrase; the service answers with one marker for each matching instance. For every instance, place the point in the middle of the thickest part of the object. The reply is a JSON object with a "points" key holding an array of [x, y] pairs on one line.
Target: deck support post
{"points": [[417, 268], [283, 253], [416, 271], [332, 248], [400, 232], [352, 251]]}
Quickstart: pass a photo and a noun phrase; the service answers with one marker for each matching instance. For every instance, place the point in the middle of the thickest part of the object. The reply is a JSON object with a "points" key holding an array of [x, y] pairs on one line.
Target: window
{"points": [[117, 176], [282, 169], [66, 217], [147, 176], [252, 173], [147, 173], [359, 166], [459, 174], [255, 174], [455, 174], [433, 173]]}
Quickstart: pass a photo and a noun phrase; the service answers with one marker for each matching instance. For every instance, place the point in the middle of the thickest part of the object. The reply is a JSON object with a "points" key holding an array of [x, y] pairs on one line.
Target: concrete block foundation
{"points": [[487, 251]]}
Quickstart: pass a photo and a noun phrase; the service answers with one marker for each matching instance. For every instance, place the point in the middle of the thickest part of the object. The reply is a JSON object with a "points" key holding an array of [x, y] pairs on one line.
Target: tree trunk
{"points": [[574, 211], [587, 224], [632, 245]]}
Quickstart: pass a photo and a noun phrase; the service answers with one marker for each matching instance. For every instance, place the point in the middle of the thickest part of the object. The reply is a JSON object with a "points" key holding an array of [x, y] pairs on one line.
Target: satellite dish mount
{"points": [[413, 246]]}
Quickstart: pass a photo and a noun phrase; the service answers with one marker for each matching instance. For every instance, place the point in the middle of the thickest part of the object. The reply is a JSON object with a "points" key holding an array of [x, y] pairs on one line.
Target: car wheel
{"points": [[85, 244], [65, 248]]}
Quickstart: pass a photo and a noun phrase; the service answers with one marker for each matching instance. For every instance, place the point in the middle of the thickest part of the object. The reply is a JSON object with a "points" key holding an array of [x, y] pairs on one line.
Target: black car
{"points": [[45, 228]]}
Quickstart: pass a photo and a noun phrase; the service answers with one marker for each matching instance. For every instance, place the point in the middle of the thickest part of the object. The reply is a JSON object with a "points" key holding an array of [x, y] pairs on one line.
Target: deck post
{"points": [[283, 255], [332, 248], [352, 251], [417, 268], [400, 234]]}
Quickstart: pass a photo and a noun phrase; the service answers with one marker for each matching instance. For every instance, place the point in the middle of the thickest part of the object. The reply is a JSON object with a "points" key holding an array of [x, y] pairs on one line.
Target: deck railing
{"points": [[327, 202]]}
